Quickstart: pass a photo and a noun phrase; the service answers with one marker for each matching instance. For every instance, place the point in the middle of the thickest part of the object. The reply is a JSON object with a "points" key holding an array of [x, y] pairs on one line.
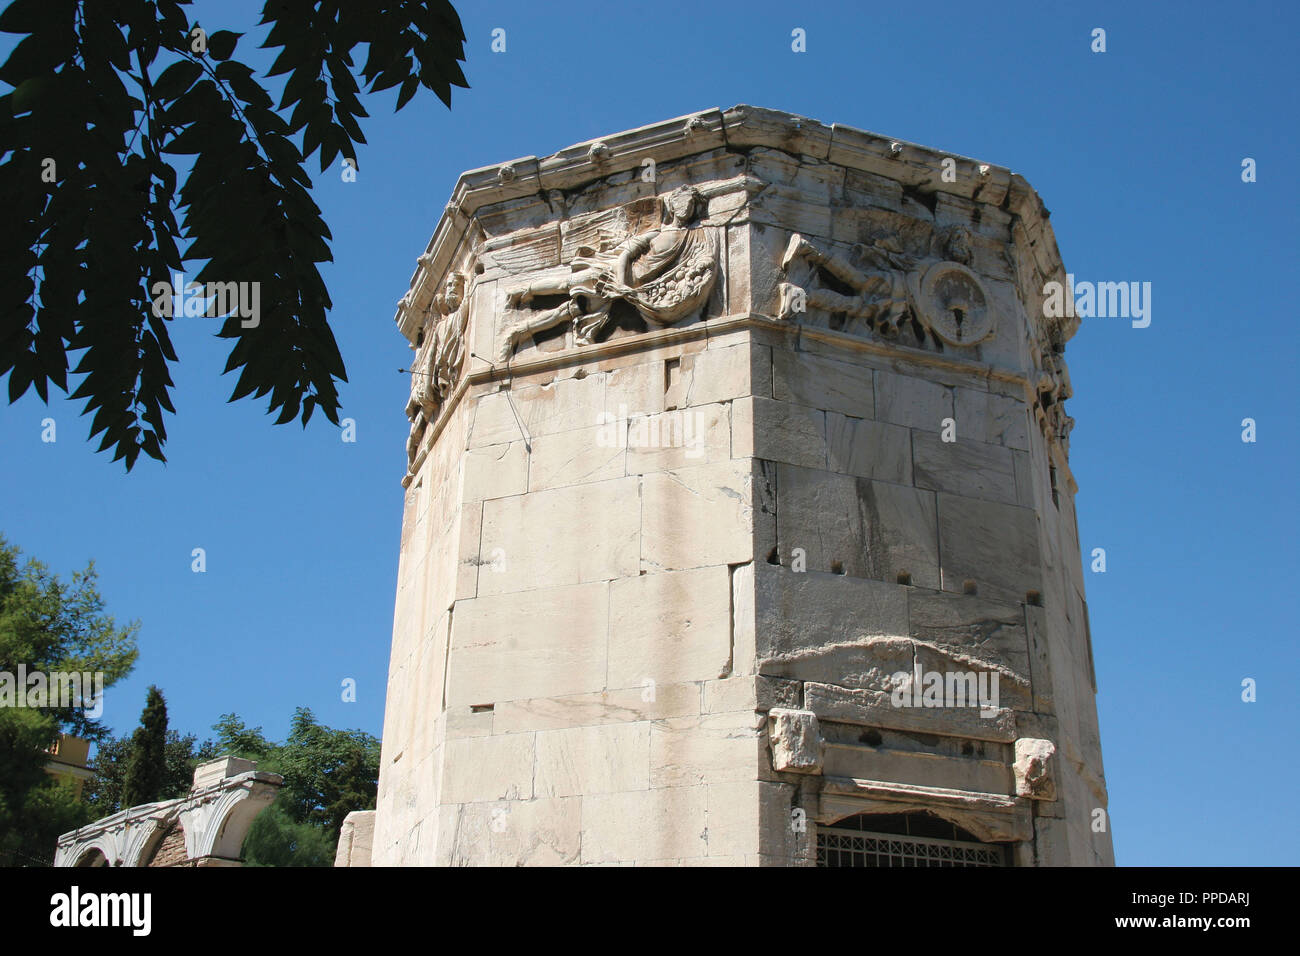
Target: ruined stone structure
{"points": [[204, 828], [739, 520], [355, 839]]}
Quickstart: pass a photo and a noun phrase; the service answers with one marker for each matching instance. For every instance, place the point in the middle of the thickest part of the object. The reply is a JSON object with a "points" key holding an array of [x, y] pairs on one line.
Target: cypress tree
{"points": [[146, 767]]}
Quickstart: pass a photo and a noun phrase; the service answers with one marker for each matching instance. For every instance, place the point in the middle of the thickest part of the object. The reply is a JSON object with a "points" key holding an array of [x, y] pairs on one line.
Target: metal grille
{"points": [[856, 848]]}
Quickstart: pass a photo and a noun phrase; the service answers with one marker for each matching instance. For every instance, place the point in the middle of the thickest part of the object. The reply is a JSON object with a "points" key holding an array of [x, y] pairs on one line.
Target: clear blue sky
{"points": [[1137, 152]]}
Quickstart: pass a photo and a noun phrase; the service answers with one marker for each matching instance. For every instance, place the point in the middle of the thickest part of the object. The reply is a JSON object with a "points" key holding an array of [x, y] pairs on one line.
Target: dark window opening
{"points": [[903, 839]]}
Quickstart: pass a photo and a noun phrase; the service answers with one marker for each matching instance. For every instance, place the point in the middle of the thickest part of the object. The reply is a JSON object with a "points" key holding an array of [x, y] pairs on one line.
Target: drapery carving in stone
{"points": [[1053, 389], [438, 359], [664, 273], [891, 288]]}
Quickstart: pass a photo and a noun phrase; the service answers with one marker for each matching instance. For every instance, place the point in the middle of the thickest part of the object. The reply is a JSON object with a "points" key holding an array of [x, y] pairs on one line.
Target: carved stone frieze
{"points": [[953, 304], [439, 358], [879, 288], [591, 243], [665, 273]]}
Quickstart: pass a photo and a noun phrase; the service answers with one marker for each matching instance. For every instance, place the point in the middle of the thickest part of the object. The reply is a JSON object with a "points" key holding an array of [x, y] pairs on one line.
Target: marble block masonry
{"points": [[739, 522]]}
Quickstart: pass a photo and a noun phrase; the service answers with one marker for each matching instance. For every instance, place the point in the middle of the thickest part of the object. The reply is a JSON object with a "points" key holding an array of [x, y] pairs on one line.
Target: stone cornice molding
{"points": [[739, 128], [120, 820]]}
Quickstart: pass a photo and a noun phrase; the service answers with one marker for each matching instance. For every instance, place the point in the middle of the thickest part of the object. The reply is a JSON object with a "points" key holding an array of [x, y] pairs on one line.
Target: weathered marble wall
{"points": [[675, 523]]}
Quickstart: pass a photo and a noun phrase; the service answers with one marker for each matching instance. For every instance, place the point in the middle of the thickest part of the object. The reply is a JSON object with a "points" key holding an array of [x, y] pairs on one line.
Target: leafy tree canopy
{"points": [[327, 774], [48, 626], [181, 754], [275, 839], [50, 809], [236, 738], [121, 117]]}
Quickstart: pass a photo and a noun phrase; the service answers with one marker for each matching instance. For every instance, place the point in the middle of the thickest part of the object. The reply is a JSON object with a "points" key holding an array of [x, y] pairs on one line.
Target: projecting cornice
{"points": [[739, 128]]}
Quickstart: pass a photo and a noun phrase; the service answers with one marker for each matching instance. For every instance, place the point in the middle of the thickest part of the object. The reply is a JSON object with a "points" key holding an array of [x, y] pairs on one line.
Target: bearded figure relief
{"points": [[438, 359], [665, 274]]}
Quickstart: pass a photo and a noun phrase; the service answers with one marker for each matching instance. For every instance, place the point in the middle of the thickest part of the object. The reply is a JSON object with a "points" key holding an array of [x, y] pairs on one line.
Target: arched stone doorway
{"points": [[92, 857], [170, 848]]}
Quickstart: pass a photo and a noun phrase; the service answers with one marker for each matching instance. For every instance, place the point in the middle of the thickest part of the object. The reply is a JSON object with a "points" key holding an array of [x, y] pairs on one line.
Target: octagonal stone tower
{"points": [[739, 519]]}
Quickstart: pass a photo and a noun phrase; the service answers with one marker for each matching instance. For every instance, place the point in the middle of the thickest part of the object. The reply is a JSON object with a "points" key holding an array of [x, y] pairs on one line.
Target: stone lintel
{"points": [[990, 816]]}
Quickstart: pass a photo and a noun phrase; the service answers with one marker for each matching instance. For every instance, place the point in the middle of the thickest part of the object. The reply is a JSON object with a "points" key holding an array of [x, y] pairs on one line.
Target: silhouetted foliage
{"points": [[121, 116]]}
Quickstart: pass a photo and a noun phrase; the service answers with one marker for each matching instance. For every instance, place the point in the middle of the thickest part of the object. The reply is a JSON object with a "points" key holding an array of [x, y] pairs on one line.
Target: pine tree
{"points": [[146, 767]]}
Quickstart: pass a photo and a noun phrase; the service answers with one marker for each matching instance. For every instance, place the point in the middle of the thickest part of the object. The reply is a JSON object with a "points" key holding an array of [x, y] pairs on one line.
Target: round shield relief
{"points": [[954, 304]]}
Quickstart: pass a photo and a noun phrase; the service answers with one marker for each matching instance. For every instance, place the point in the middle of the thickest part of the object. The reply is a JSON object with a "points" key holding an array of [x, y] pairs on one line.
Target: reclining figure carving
{"points": [[891, 288], [665, 274]]}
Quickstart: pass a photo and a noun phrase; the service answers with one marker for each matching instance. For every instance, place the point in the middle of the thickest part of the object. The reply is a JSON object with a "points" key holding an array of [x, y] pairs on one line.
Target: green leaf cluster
{"points": [[48, 625], [327, 774], [181, 754]]}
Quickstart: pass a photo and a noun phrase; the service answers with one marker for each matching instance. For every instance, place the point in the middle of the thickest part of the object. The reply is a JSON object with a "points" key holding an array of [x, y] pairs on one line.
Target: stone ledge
{"points": [[740, 127], [900, 356]]}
